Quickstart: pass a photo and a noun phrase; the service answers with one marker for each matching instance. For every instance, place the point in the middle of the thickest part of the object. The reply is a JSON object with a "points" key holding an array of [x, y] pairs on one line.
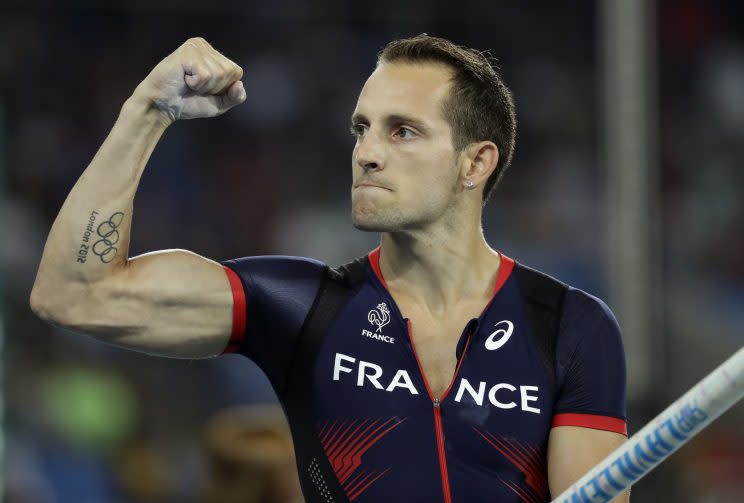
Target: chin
{"points": [[365, 223], [366, 227], [374, 221]]}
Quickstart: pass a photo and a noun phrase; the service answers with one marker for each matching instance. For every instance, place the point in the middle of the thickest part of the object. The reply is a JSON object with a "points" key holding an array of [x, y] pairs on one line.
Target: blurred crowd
{"points": [[87, 422]]}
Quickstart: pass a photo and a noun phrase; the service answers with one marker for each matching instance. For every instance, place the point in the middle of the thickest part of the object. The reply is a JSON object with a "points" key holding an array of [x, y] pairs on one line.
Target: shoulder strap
{"points": [[318, 480], [543, 299]]}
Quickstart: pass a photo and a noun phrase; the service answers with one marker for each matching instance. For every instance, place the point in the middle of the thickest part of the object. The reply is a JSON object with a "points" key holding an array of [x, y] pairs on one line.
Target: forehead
{"points": [[416, 88]]}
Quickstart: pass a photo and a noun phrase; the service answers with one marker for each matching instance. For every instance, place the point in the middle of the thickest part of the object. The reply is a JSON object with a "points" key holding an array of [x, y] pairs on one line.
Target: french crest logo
{"points": [[379, 316]]}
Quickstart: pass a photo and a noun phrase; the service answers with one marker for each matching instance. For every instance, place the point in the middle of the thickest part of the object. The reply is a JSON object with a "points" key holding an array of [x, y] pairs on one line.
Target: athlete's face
{"points": [[404, 164]]}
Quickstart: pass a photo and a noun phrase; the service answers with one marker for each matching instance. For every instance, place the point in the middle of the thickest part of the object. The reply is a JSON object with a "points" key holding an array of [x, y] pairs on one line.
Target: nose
{"points": [[369, 153]]}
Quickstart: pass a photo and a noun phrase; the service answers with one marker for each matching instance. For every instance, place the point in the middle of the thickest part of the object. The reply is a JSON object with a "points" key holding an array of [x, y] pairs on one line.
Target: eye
{"points": [[359, 130], [405, 133]]}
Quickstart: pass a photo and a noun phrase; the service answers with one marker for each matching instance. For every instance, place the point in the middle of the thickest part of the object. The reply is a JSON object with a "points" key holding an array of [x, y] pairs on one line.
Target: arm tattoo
{"points": [[107, 235]]}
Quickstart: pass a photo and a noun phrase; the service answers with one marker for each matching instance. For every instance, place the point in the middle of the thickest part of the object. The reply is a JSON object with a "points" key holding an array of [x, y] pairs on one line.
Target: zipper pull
{"points": [[436, 403]]}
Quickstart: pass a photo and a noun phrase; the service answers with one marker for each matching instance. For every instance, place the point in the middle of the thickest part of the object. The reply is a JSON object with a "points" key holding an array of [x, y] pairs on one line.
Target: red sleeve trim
{"points": [[593, 421], [238, 326]]}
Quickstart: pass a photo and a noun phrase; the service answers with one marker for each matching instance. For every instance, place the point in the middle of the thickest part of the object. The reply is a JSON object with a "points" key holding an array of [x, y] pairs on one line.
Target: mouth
{"points": [[369, 185]]}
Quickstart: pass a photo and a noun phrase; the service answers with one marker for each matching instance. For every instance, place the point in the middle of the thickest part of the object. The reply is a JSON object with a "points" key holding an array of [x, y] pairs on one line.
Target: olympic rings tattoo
{"points": [[109, 234]]}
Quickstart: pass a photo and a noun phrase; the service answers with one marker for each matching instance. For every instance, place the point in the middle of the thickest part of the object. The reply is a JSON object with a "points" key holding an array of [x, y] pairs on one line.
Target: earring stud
{"points": [[469, 184]]}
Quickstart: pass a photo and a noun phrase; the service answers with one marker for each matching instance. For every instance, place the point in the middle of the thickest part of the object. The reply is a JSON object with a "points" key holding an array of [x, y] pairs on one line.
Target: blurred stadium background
{"points": [[626, 182]]}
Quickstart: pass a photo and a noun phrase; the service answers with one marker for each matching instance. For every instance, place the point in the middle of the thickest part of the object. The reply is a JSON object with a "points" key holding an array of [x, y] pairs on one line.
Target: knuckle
{"points": [[222, 69], [216, 61], [227, 71]]}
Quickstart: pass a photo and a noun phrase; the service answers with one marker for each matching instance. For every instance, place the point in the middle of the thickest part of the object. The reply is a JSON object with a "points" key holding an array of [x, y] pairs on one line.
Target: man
{"points": [[435, 368]]}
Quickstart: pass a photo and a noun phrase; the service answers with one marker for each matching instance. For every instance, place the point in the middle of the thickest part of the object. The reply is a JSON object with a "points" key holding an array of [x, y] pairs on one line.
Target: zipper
{"points": [[440, 450], [437, 402]]}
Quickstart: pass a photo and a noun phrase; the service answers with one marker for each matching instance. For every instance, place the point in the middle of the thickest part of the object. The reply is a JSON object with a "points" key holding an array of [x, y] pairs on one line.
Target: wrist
{"points": [[141, 108]]}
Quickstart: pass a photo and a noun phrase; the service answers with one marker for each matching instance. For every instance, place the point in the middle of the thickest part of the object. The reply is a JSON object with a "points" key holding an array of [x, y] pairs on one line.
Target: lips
{"points": [[369, 184]]}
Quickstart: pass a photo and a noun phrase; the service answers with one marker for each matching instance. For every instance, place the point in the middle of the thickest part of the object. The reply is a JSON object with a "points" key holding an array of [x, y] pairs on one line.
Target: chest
{"points": [[435, 340], [374, 364], [371, 404]]}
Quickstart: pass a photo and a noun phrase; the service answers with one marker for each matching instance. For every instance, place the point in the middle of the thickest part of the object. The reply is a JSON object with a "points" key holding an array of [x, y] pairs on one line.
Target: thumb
{"points": [[234, 95]]}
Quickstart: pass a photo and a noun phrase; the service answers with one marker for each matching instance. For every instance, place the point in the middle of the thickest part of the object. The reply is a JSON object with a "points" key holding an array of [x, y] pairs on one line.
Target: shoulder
{"points": [[583, 319], [351, 274], [278, 283], [588, 356], [290, 266], [590, 359], [582, 310], [283, 274], [575, 305], [589, 338], [275, 265], [540, 288]]}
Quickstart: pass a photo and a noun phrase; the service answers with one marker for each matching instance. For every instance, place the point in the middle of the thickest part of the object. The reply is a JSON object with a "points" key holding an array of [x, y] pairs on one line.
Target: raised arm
{"points": [[171, 302]]}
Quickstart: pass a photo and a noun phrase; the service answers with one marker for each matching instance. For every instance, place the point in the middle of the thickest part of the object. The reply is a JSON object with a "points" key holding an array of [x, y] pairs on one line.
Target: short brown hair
{"points": [[480, 106]]}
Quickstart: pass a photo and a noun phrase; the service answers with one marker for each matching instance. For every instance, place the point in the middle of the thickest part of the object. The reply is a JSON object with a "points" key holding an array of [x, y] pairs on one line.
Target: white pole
{"points": [[670, 430]]}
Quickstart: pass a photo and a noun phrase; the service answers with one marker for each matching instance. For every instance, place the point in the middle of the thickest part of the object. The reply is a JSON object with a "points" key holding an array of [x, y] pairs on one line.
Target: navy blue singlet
{"points": [[384, 434]]}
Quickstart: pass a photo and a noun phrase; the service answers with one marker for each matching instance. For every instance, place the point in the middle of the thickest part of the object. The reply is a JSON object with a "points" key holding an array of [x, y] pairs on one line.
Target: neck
{"points": [[440, 266]]}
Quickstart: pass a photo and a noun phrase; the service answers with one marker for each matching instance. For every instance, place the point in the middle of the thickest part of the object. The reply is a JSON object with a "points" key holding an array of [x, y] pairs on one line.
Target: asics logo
{"points": [[499, 337]]}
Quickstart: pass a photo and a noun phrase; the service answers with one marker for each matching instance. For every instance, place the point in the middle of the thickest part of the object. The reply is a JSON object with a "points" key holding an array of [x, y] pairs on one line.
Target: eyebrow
{"points": [[393, 119]]}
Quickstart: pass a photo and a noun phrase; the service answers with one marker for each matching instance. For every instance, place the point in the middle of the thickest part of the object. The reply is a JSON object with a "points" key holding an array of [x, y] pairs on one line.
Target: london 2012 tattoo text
{"points": [[108, 235]]}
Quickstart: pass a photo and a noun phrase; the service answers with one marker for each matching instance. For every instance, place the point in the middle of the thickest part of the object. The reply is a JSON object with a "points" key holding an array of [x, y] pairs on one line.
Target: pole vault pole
{"points": [[669, 431]]}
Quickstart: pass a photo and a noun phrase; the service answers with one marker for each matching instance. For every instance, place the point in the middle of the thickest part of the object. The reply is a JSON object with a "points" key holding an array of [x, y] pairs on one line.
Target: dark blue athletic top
{"points": [[384, 434]]}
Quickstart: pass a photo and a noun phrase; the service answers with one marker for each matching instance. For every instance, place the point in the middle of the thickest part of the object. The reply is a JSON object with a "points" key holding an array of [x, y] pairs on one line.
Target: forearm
{"points": [[89, 239]]}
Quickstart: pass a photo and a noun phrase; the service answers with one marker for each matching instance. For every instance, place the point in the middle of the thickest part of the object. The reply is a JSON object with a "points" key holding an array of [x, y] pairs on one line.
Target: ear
{"points": [[479, 161]]}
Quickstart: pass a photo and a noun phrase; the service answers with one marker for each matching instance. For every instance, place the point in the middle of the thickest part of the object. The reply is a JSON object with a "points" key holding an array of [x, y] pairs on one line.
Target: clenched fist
{"points": [[194, 81]]}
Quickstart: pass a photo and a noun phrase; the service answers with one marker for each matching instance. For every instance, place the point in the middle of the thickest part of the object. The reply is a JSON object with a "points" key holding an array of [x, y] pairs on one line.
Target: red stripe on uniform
{"points": [[594, 421], [238, 326], [505, 268], [374, 261]]}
